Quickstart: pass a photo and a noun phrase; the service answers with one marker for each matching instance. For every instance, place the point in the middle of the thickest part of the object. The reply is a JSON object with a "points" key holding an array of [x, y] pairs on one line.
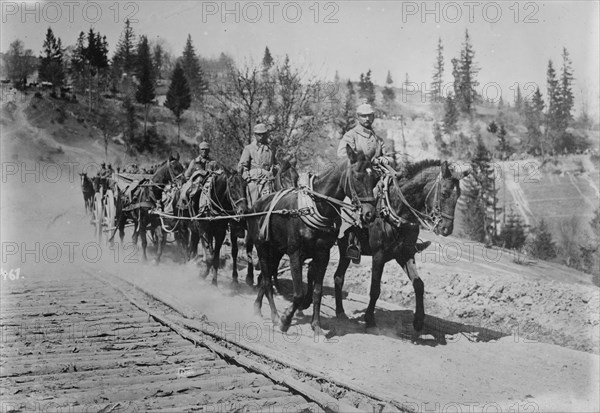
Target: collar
{"points": [[364, 131]]}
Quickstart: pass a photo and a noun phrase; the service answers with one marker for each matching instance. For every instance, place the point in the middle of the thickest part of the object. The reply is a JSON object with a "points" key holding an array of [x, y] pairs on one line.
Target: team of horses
{"points": [[302, 222]]}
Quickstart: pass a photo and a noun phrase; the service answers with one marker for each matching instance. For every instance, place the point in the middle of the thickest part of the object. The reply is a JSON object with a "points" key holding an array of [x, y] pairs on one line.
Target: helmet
{"points": [[260, 129], [365, 109], [204, 145]]}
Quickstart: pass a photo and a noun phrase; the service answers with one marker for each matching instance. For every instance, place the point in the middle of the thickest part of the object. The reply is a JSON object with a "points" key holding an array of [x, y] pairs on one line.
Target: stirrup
{"points": [[353, 253]]}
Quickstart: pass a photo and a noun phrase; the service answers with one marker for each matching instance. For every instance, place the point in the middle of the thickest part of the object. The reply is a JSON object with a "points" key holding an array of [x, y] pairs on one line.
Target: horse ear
{"points": [[352, 155], [446, 173], [460, 170]]}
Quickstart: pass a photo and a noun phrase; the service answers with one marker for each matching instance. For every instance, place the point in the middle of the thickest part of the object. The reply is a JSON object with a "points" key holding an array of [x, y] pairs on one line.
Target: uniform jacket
{"points": [[256, 160]]}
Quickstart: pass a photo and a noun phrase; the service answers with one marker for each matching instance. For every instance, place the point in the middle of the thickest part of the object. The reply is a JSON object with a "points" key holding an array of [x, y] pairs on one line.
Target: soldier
{"points": [[257, 164], [363, 139], [197, 172]]}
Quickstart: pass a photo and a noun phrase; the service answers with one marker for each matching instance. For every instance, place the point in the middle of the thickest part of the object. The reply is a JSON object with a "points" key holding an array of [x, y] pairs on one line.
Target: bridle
{"points": [[350, 191]]}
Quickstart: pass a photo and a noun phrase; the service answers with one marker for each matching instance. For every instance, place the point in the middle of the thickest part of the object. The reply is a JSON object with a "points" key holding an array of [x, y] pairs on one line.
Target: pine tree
{"points": [[466, 94], [534, 115], [267, 61], [145, 90], [51, 67], [178, 97], [345, 122], [438, 74], [129, 124], [542, 246], [553, 115], [366, 89], [503, 147], [566, 93], [450, 114], [190, 64], [124, 60], [519, 100], [473, 210], [513, 234], [157, 60], [388, 93]]}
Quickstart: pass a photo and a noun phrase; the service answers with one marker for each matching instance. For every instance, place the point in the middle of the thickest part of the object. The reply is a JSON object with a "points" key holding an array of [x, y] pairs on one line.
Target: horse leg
{"points": [[376, 272], [207, 256], [234, 255], [410, 269], [264, 284], [250, 272], [296, 270], [219, 236], [308, 296], [271, 268], [338, 279], [317, 272], [143, 236], [161, 239]]}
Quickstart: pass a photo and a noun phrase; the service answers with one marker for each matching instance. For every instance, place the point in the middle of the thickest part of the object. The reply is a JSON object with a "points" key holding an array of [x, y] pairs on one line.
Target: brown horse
{"points": [[87, 188], [311, 236], [427, 194], [227, 198], [136, 207], [286, 177]]}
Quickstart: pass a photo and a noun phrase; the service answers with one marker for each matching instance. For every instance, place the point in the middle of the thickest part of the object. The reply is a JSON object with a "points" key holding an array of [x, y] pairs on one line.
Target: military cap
{"points": [[204, 145], [260, 129], [365, 109]]}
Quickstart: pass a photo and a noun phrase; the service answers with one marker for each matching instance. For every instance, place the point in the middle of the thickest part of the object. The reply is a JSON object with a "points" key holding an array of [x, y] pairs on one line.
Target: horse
{"points": [[428, 193], [308, 236], [87, 187], [137, 203], [286, 177], [227, 197]]}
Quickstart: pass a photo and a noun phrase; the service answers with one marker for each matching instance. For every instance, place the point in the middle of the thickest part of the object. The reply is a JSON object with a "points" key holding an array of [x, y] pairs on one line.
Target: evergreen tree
{"points": [[519, 100], [51, 67], [366, 89], [145, 90], [158, 56], [473, 211], [124, 60], [129, 124], [534, 117], [566, 92], [466, 68], [178, 97], [450, 114], [513, 234], [345, 121], [503, 147], [89, 64], [267, 61], [542, 246], [438, 74], [388, 93], [553, 115], [190, 64]]}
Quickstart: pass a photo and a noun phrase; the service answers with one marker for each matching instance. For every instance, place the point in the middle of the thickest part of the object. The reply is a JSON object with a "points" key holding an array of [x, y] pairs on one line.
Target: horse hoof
{"points": [[318, 331], [418, 324], [373, 329], [299, 313], [214, 282], [274, 318], [283, 325], [250, 282], [341, 316]]}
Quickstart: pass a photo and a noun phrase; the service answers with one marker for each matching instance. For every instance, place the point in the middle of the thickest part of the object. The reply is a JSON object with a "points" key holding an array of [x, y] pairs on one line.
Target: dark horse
{"points": [[135, 205], [431, 189], [87, 188], [227, 198], [286, 177], [310, 236]]}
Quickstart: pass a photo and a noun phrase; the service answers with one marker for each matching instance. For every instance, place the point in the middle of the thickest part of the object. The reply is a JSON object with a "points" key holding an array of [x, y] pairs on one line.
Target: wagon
{"points": [[106, 201]]}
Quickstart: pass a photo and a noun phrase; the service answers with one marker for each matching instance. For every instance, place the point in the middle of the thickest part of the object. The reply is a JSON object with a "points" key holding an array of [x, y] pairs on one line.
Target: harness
{"points": [[313, 218], [430, 219]]}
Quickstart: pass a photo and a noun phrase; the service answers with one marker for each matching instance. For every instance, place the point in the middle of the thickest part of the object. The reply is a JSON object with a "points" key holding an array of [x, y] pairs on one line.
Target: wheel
{"points": [[99, 212]]}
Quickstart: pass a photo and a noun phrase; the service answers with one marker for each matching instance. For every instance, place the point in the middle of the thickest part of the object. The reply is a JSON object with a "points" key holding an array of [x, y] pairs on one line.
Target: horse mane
{"points": [[413, 169]]}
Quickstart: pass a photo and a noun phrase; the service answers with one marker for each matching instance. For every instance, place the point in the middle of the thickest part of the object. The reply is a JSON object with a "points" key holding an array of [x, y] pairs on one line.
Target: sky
{"points": [[513, 41]]}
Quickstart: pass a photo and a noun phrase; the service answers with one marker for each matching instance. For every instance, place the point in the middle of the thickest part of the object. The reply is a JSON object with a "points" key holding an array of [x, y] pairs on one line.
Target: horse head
{"points": [[359, 183], [442, 198], [236, 192]]}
